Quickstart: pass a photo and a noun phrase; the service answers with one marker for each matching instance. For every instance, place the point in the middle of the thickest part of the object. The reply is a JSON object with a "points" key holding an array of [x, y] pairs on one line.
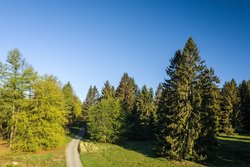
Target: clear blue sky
{"points": [[88, 42]]}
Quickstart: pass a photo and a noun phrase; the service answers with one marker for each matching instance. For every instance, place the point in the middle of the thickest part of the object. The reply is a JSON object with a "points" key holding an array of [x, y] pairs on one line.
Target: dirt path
{"points": [[72, 155]]}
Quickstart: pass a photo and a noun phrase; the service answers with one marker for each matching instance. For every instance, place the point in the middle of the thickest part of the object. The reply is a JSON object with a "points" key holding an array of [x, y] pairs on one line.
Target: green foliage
{"points": [[230, 106], [210, 111], [126, 92], [42, 126], [72, 103], [244, 89], [108, 90], [31, 108], [105, 119], [188, 100], [91, 99], [144, 115], [16, 77]]}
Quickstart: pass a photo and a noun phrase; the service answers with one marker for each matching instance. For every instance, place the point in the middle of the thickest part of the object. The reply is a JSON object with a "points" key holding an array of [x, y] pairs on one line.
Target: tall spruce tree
{"points": [[158, 94], [230, 106], [108, 90], [91, 99], [145, 114], [180, 107], [126, 92], [210, 109], [244, 90], [72, 103]]}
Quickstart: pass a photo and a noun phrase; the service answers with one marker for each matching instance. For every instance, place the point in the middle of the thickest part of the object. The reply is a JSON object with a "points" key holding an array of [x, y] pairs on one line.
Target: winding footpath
{"points": [[72, 154]]}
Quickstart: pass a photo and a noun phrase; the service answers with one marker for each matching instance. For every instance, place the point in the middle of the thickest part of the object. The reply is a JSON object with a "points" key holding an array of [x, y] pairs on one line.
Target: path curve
{"points": [[72, 154]]}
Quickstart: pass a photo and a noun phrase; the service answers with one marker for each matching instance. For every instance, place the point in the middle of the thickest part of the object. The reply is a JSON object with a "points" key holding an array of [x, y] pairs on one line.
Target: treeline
{"points": [[34, 110], [184, 115]]}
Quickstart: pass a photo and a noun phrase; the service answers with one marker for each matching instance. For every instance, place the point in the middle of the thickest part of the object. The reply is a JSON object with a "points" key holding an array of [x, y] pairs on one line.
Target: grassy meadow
{"points": [[129, 154], [232, 151]]}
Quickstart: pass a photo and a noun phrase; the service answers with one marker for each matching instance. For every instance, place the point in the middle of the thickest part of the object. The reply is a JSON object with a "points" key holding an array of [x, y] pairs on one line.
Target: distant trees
{"points": [[108, 91], [91, 99], [230, 107], [244, 91], [72, 103], [105, 118], [126, 92], [144, 114]]}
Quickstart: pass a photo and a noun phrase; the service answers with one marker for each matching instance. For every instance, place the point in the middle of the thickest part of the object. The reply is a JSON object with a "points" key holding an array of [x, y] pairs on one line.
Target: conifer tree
{"points": [[230, 106], [181, 103], [105, 120], [244, 90], [126, 92], [210, 108], [72, 103], [91, 99], [108, 90], [145, 114], [158, 94]]}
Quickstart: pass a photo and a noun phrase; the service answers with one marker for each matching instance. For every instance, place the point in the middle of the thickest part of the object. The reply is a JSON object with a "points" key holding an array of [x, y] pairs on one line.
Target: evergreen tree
{"points": [[180, 106], [72, 103], [230, 106], [105, 120], [210, 108], [158, 94], [145, 114], [126, 92], [91, 99], [244, 90], [108, 90]]}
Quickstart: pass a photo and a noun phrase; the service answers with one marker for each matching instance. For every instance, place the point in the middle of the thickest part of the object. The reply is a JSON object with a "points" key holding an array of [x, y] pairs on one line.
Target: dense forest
{"points": [[184, 115]]}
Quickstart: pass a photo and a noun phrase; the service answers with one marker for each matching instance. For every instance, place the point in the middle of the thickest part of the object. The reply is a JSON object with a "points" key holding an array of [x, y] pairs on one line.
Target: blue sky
{"points": [[88, 42]]}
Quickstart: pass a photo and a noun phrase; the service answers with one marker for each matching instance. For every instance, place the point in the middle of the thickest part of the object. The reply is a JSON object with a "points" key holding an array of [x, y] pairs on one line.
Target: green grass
{"points": [[233, 151], [128, 154]]}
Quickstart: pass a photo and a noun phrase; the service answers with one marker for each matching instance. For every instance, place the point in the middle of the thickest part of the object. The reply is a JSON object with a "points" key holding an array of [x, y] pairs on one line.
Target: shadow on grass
{"points": [[145, 147], [230, 153]]}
